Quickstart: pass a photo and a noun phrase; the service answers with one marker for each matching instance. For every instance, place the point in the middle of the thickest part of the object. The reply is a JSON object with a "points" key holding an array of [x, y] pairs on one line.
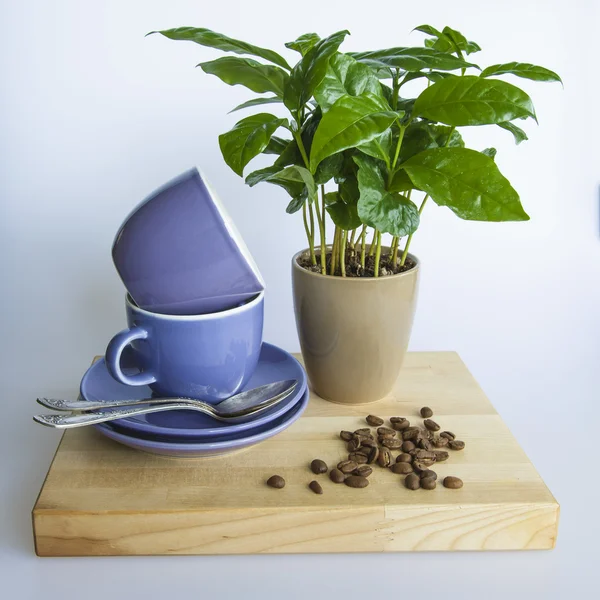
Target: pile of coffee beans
{"points": [[418, 449]]}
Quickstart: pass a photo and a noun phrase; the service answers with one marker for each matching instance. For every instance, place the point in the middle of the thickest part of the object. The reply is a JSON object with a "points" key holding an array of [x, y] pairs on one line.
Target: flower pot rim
{"points": [[364, 280]]}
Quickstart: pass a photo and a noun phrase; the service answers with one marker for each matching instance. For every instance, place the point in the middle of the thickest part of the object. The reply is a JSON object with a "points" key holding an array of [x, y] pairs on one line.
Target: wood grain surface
{"points": [[101, 498]]}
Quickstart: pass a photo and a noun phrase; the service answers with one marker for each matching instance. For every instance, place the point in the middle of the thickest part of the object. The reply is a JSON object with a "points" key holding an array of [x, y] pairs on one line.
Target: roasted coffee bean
{"points": [[441, 455], [356, 481], [315, 486], [454, 483], [346, 435], [401, 468], [426, 412], [425, 444], [386, 431], [363, 471], [391, 443], [428, 483], [385, 457], [425, 434], [353, 445], [412, 481], [276, 481], [363, 431], [369, 443], [374, 421], [347, 466], [440, 442], [425, 454], [407, 446], [364, 450], [373, 455], [362, 438], [447, 434], [336, 476], [399, 423], [410, 433], [428, 473], [317, 466], [404, 457], [456, 445], [359, 459], [418, 467], [431, 425]]}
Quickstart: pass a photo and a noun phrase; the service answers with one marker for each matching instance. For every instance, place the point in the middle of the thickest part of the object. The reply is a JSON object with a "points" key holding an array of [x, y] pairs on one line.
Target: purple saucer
{"points": [[274, 364], [216, 447]]}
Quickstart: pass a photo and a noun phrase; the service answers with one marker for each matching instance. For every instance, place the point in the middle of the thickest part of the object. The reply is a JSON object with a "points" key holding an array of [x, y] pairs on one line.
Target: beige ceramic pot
{"points": [[353, 332]]}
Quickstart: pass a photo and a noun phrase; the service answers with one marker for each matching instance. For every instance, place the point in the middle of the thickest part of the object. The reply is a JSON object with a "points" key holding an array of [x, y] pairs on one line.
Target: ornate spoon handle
{"points": [[83, 405], [112, 414]]}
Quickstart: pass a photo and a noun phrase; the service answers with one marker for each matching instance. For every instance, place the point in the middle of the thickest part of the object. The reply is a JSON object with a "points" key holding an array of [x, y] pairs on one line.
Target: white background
{"points": [[94, 116]]}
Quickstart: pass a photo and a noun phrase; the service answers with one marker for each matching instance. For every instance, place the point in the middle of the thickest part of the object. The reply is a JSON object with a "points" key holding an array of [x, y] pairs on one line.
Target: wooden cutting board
{"points": [[101, 498]]}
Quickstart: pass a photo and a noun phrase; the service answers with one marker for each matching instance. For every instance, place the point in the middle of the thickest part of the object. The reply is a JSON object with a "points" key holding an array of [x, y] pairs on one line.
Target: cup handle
{"points": [[113, 357]]}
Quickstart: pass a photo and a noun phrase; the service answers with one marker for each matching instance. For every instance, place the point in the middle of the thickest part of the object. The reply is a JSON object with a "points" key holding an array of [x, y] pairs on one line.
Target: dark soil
{"points": [[353, 266]]}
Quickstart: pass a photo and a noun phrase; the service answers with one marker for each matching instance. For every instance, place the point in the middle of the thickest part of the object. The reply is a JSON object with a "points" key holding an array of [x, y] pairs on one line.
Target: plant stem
{"points": [[363, 239], [393, 245], [372, 247], [309, 235], [395, 88], [321, 231], [408, 241], [334, 250], [395, 253], [352, 236], [300, 143], [343, 252], [377, 255], [396, 154], [323, 213]]}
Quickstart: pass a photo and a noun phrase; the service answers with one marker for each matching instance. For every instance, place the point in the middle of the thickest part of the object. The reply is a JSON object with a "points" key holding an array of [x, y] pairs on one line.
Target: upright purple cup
{"points": [[209, 357], [179, 252]]}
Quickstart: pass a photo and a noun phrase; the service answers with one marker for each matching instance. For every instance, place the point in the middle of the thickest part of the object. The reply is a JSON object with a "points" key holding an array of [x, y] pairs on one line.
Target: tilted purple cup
{"points": [[209, 357], [179, 252]]}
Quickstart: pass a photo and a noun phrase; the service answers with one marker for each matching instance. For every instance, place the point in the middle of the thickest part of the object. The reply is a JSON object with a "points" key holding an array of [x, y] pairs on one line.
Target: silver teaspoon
{"points": [[249, 398], [233, 410]]}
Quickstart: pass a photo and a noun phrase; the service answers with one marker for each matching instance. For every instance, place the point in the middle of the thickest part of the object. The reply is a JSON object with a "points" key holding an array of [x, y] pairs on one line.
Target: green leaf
{"points": [[524, 70], [304, 43], [420, 136], [295, 204], [350, 122], [297, 175], [247, 72], [466, 181], [256, 102], [309, 72], [261, 175], [379, 147], [331, 198], [346, 77], [329, 168], [248, 138], [433, 76], [276, 145], [212, 39], [414, 59], [491, 152], [389, 212], [401, 182], [448, 40], [518, 133], [344, 215], [290, 155], [473, 100]]}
